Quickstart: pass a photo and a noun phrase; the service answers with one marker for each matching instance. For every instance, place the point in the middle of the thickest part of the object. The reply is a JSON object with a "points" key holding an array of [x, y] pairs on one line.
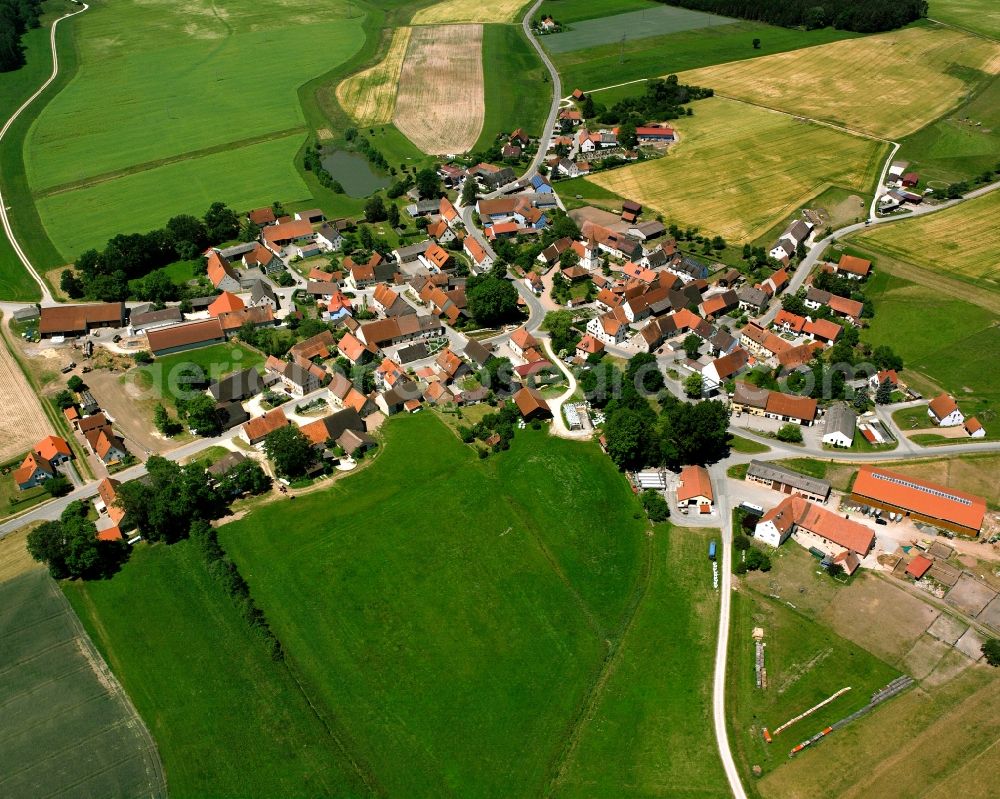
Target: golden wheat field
{"points": [[888, 85], [961, 241], [369, 96], [451, 11], [440, 103], [737, 170]]}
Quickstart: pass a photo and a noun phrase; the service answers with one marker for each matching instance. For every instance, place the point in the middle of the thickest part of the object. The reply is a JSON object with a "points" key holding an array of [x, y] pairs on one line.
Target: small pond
{"points": [[353, 172]]}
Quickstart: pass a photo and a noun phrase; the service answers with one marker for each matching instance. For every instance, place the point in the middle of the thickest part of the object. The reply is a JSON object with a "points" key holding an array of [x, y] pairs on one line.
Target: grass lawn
{"points": [[12, 499], [738, 170], [244, 178], [746, 446], [906, 312], [981, 16], [646, 736], [181, 272], [961, 145], [204, 684], [454, 618], [509, 64], [962, 242], [596, 67], [931, 70], [58, 699], [167, 376], [806, 662]]}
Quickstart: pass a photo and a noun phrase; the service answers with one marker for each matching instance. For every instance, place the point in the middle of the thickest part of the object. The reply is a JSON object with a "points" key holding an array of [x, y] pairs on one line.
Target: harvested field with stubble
{"points": [[452, 11], [440, 102], [888, 85], [963, 241], [24, 421], [370, 95], [737, 170]]}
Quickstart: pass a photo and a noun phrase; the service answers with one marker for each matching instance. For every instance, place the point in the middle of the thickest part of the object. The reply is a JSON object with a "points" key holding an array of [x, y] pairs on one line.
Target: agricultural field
{"points": [[980, 16], [205, 684], [509, 64], [611, 64], [449, 12], [907, 310], [474, 689], [68, 726], [916, 75], [140, 65], [888, 631], [659, 739], [737, 170], [439, 105], [655, 20], [569, 11], [962, 242], [24, 422], [369, 96], [960, 146], [243, 178]]}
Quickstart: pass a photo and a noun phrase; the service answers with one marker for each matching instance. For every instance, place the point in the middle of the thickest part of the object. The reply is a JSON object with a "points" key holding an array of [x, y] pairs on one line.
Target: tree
{"points": [[564, 336], [629, 440], [221, 223], [884, 357], [741, 543], [991, 651], [201, 415], [587, 107], [393, 215], [834, 569], [64, 400], [71, 284], [693, 432], [861, 399], [375, 209], [692, 345], [69, 546], [627, 137], [57, 486], [246, 477], [643, 372], [491, 300], [756, 44], [469, 192], [655, 505], [883, 395], [428, 183], [694, 385], [75, 383], [289, 450], [791, 433]]}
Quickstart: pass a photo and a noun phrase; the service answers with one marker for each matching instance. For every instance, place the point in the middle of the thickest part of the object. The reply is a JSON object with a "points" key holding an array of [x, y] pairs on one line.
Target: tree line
{"points": [[863, 16], [16, 17], [111, 274], [662, 100]]}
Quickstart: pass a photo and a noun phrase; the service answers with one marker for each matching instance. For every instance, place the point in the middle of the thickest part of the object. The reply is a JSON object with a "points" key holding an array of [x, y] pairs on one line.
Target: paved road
{"points": [[818, 247], [550, 123], [4, 220]]}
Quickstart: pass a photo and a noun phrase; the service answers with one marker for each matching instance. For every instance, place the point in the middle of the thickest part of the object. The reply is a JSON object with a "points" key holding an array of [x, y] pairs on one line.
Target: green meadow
{"points": [[243, 178]]}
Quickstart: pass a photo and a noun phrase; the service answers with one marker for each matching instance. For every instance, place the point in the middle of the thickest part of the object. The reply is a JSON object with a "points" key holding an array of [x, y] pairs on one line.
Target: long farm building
{"points": [[920, 500]]}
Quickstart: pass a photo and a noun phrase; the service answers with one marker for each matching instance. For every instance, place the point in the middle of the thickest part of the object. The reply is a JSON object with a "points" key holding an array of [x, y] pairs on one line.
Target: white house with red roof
{"points": [[944, 411]]}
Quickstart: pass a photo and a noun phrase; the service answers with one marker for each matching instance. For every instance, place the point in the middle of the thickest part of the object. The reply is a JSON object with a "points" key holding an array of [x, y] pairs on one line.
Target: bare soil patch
{"points": [[880, 617], [440, 102], [970, 596]]}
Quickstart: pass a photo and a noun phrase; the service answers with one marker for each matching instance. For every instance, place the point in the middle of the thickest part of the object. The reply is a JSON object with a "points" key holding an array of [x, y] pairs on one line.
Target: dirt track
{"points": [[23, 422]]}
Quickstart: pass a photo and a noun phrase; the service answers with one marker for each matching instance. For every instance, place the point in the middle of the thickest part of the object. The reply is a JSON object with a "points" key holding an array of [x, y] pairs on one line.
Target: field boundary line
{"points": [[609, 667], [969, 31], [4, 219], [135, 169]]}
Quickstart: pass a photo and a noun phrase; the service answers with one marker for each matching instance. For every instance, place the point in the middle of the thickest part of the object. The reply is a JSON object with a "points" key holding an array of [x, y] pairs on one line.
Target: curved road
{"points": [[550, 123], [4, 220]]}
